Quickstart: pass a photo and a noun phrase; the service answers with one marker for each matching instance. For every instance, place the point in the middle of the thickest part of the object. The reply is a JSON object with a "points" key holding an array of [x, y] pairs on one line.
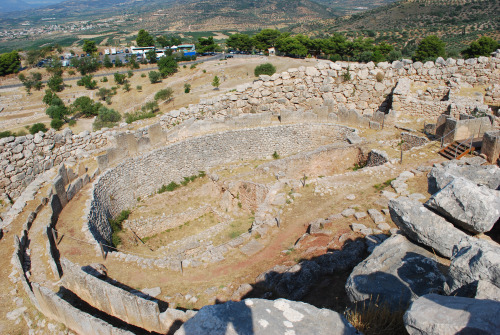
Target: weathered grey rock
{"points": [[357, 227], [242, 290], [440, 176], [441, 315], [251, 248], [474, 208], [152, 292], [473, 261], [260, 316], [348, 212], [340, 260], [423, 226], [298, 280], [359, 215], [486, 290], [395, 273], [376, 216]]}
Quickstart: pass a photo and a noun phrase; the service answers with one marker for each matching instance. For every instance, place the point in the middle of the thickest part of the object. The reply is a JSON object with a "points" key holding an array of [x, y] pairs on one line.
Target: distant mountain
{"points": [[7, 6]]}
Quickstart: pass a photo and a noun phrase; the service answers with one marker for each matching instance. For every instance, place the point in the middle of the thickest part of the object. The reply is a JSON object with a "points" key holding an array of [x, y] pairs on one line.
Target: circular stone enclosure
{"points": [[118, 188]]}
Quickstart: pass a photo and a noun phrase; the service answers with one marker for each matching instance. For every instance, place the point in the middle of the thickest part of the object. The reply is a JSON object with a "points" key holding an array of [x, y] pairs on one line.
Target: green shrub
{"points": [[6, 133], [104, 80], [56, 124], [138, 87], [117, 226], [169, 188], [266, 68], [120, 78], [38, 127], [165, 94], [106, 118], [143, 75], [187, 88], [154, 77], [138, 115], [276, 155]]}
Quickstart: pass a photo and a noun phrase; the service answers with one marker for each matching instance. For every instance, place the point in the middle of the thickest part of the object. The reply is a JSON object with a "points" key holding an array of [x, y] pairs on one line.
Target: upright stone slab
{"points": [[103, 162], [396, 273], [434, 314], [156, 134], [491, 145], [59, 188]]}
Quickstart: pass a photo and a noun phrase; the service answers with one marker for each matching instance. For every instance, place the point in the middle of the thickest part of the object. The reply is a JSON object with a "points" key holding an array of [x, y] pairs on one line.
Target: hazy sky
{"points": [[42, 2]]}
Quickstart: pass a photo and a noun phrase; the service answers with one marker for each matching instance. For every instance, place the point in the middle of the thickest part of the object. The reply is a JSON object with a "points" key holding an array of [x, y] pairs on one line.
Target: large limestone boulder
{"points": [[473, 208], [396, 273], [473, 261], [259, 316], [440, 176], [441, 315], [423, 226]]}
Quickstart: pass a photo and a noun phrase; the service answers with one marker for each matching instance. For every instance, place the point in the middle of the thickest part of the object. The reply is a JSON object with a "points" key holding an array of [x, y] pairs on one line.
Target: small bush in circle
{"points": [[266, 68]]}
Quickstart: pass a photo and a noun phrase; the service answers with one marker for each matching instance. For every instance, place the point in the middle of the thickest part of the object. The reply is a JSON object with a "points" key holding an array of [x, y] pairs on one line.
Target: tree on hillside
{"points": [[56, 83], [484, 46], [266, 39], [88, 82], [9, 63], [154, 77], [167, 66], [216, 83], [429, 48], [33, 81], [151, 56], [89, 47], [240, 42], [107, 62], [144, 39], [206, 44], [86, 107]]}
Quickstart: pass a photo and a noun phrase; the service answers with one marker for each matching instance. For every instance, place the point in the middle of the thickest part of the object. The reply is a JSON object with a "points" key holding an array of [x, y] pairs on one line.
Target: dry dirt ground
{"points": [[21, 109], [219, 280]]}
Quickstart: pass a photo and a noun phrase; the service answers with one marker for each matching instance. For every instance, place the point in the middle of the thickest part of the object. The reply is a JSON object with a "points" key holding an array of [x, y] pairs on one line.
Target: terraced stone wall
{"points": [[118, 188]]}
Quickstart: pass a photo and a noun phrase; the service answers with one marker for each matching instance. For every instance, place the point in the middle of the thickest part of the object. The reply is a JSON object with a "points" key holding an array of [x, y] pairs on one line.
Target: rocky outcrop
{"points": [[471, 207], [474, 261], [440, 176], [441, 315], [396, 273], [423, 226], [259, 316]]}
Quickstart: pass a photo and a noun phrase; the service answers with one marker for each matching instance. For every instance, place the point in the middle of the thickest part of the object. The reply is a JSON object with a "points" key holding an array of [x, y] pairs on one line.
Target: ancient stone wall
{"points": [[24, 157], [118, 188], [311, 94], [62, 311], [412, 141], [115, 301]]}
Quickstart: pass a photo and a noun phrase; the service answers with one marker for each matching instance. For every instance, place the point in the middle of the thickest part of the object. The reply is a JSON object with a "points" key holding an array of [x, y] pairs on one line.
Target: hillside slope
{"points": [[190, 14], [405, 22]]}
